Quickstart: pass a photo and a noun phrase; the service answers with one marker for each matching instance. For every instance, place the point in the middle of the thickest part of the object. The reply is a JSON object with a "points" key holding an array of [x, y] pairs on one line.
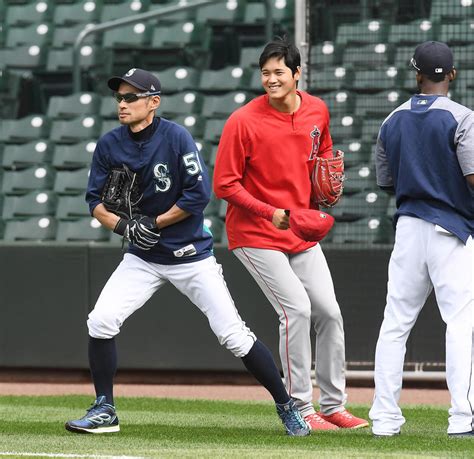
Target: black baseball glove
{"points": [[140, 230], [121, 194]]}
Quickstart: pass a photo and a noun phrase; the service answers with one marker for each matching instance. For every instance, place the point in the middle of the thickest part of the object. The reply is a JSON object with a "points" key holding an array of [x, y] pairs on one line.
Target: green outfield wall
{"points": [[47, 291]]}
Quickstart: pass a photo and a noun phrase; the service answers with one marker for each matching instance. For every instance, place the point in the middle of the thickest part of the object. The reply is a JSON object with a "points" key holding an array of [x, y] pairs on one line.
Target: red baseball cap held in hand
{"points": [[310, 225]]}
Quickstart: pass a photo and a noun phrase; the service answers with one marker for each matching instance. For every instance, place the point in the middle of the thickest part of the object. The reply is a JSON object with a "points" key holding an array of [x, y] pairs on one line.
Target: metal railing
{"points": [[181, 6]]}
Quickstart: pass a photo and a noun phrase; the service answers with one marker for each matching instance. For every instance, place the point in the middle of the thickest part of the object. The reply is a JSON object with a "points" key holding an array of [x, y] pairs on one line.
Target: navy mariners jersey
{"points": [[171, 172], [424, 150]]}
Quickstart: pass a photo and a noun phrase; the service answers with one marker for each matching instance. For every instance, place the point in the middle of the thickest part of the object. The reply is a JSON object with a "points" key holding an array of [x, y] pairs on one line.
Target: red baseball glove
{"points": [[328, 180]]}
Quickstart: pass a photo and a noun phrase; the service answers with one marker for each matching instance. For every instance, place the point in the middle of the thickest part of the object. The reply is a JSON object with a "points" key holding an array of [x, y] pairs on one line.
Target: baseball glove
{"points": [[327, 179], [121, 193]]}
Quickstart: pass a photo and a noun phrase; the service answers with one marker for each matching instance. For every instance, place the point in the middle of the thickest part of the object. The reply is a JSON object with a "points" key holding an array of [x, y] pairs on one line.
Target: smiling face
{"points": [[277, 79], [138, 114]]}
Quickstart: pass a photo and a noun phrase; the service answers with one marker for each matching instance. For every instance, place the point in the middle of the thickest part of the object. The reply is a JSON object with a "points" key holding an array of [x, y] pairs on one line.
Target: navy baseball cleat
{"points": [[292, 419], [100, 418]]}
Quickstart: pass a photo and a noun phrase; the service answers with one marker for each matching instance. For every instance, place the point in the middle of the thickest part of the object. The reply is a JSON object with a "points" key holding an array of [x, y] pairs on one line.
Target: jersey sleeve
{"points": [[196, 188], [464, 140], [97, 177], [382, 167], [230, 162], [326, 146]]}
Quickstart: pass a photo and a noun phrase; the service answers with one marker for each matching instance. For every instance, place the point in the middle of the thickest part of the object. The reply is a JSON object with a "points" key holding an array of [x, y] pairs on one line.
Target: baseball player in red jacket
{"points": [[264, 162]]}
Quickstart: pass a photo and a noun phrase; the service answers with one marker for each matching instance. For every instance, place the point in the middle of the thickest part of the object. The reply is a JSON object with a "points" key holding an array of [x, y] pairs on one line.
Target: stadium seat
{"points": [[372, 31], [249, 57], [391, 207], [370, 130], [413, 33], [366, 56], [176, 79], [31, 229], [81, 12], [255, 82], [214, 129], [324, 54], [25, 129], [67, 107], [71, 207], [344, 127], [227, 79], [181, 35], [360, 178], [65, 36], [465, 98], [403, 55], [33, 12], [108, 107], [216, 226], [122, 9], [73, 156], [212, 209], [463, 56], [82, 230], [76, 129], [372, 230], [452, 10], [360, 205], [31, 57], [464, 81], [183, 103], [355, 152], [221, 13], [128, 37], [339, 103], [40, 177], [380, 104], [222, 106], [282, 11], [460, 33], [377, 79], [108, 125], [193, 123], [30, 204], [27, 154], [329, 78], [91, 56], [71, 182], [34, 34]]}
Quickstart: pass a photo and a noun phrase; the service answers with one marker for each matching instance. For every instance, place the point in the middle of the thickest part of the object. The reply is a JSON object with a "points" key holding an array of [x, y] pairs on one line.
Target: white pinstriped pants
{"points": [[426, 256], [300, 289]]}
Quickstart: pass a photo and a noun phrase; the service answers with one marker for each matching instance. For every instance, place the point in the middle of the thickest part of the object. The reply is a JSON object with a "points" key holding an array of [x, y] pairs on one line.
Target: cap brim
{"points": [[115, 82]]}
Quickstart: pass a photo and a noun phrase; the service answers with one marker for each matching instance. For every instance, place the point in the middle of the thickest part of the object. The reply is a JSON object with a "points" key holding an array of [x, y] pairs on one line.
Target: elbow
{"points": [[470, 181]]}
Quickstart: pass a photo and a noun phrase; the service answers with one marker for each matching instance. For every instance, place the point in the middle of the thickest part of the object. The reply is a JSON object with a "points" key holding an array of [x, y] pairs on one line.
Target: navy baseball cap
{"points": [[140, 79], [433, 58]]}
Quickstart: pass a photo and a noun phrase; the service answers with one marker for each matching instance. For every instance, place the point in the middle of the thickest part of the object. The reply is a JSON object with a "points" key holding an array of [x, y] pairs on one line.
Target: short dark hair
{"points": [[281, 49], [435, 78]]}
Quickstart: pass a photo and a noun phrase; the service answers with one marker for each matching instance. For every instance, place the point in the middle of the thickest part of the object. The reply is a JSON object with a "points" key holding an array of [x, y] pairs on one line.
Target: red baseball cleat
{"points": [[315, 422], [345, 420]]}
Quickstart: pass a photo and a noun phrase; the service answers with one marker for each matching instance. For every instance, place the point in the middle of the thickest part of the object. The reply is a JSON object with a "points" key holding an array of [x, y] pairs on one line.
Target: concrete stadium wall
{"points": [[48, 290]]}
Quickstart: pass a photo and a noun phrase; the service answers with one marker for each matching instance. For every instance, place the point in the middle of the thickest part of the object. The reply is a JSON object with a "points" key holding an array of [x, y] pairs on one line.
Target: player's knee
{"points": [[239, 343], [329, 316], [102, 325], [302, 312]]}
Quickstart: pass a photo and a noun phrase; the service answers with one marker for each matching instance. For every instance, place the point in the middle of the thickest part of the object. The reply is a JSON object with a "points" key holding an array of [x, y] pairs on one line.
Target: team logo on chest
{"points": [[162, 178], [315, 134]]}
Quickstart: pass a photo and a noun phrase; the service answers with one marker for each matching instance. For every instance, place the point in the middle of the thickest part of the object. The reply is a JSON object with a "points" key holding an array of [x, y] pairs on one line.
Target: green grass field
{"points": [[34, 427]]}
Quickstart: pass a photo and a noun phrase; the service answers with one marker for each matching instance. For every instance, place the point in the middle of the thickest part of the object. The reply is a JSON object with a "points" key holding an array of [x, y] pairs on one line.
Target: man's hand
{"points": [[141, 231], [281, 219]]}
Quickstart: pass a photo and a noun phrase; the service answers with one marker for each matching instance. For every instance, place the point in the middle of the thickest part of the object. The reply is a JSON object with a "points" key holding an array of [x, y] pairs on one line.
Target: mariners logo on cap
{"points": [[130, 72]]}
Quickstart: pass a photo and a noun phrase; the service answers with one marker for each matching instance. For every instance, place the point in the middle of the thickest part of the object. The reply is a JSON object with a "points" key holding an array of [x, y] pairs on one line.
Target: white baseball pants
{"points": [[135, 281], [426, 256], [300, 289]]}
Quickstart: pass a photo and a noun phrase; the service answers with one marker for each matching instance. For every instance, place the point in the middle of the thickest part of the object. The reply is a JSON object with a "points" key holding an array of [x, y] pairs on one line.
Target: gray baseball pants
{"points": [[300, 289]]}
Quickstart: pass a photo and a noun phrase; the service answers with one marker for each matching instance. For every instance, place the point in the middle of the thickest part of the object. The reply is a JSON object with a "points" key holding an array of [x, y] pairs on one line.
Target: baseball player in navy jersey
{"points": [[178, 249], [425, 155]]}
